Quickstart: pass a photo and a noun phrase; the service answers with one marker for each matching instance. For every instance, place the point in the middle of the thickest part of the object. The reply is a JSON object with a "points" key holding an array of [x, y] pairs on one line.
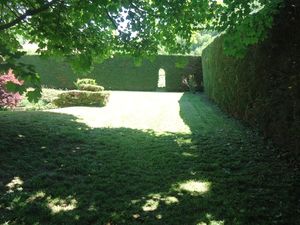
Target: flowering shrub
{"points": [[9, 99]]}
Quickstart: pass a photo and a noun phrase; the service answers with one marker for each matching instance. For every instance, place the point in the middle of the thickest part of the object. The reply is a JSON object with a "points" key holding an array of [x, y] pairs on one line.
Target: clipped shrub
{"points": [[85, 81], [90, 87], [9, 99], [81, 98]]}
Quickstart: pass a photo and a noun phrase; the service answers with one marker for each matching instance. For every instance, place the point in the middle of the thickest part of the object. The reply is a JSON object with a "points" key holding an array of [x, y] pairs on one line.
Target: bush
{"points": [[9, 99], [81, 98], [45, 102], [90, 87], [190, 82], [85, 81]]}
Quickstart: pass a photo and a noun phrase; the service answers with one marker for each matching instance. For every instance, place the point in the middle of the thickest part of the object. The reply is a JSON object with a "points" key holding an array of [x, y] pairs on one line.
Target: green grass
{"points": [[56, 170]]}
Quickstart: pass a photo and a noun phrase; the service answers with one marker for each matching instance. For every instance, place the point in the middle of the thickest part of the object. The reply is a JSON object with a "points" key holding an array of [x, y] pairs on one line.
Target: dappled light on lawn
{"points": [[15, 184], [187, 154], [193, 187], [209, 220], [57, 205], [137, 110], [60, 168], [154, 200], [37, 196]]}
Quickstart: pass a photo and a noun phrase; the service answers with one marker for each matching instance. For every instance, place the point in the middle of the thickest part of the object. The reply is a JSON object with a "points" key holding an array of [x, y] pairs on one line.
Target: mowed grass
{"points": [[59, 169]]}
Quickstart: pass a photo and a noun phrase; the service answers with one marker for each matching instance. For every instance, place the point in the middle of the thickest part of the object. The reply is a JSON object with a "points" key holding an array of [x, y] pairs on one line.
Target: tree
{"points": [[89, 31]]}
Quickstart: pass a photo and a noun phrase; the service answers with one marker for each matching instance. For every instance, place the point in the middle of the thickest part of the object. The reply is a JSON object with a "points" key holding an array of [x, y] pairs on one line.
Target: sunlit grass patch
{"points": [[209, 220], [183, 141], [57, 205], [187, 154], [212, 222], [193, 187], [36, 196], [143, 111], [151, 205], [15, 184], [154, 200]]}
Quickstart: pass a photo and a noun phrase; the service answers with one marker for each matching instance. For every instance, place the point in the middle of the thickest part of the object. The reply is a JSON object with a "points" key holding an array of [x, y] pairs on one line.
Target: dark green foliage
{"points": [[263, 88], [120, 72], [81, 98], [248, 25]]}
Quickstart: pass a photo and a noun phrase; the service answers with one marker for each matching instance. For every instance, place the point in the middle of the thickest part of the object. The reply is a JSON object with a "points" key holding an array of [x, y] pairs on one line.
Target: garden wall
{"points": [[263, 88], [120, 72]]}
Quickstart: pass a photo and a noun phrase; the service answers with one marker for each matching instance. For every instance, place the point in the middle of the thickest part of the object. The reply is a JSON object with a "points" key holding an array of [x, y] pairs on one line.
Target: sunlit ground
{"points": [[156, 111], [145, 158]]}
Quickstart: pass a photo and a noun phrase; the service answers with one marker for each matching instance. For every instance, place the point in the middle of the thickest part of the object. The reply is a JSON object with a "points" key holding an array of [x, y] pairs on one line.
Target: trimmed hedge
{"points": [[85, 81], [90, 87], [81, 98], [263, 88], [120, 72]]}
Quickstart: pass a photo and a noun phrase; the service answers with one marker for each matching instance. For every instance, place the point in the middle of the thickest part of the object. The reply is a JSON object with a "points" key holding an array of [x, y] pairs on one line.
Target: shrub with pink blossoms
{"points": [[9, 99]]}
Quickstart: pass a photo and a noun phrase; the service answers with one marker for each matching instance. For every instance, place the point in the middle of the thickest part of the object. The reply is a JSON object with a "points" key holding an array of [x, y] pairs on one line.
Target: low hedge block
{"points": [[81, 98], [85, 81], [90, 87]]}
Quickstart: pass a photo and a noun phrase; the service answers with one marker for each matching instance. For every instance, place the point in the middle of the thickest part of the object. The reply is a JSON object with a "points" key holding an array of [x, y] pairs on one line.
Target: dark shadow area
{"points": [[263, 87], [250, 184], [54, 170]]}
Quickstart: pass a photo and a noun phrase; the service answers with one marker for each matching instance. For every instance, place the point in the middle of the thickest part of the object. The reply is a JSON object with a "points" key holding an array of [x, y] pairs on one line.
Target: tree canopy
{"points": [[90, 31]]}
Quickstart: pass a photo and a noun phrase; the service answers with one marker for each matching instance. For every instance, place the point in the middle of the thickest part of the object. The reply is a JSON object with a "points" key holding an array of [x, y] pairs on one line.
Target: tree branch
{"points": [[111, 19], [29, 12]]}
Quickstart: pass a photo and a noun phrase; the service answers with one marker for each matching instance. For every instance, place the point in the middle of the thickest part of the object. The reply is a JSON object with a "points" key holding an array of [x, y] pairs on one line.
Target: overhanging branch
{"points": [[111, 19], [29, 12]]}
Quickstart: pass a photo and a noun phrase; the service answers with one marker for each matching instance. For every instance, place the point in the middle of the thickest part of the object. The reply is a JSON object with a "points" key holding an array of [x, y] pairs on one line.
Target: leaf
{"points": [[11, 87], [35, 95]]}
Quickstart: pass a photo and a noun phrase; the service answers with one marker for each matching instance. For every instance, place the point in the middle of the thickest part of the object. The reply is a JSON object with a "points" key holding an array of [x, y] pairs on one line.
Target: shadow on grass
{"points": [[55, 170]]}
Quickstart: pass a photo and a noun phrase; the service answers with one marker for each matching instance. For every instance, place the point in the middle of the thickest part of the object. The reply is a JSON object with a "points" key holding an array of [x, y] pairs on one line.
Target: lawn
{"points": [[145, 158]]}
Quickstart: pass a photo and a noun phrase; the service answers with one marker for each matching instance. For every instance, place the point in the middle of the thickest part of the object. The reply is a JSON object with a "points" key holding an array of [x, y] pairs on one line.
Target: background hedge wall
{"points": [[264, 87], [120, 72]]}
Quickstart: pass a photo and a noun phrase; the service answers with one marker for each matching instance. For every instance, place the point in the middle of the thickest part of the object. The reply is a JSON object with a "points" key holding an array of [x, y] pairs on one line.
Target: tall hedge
{"points": [[120, 72], [263, 88]]}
